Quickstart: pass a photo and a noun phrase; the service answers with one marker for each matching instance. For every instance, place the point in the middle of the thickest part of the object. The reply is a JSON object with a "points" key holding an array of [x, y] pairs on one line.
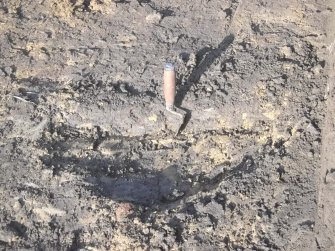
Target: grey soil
{"points": [[90, 159]]}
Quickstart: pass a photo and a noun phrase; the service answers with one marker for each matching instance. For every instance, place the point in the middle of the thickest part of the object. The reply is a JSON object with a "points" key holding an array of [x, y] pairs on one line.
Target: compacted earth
{"points": [[90, 159]]}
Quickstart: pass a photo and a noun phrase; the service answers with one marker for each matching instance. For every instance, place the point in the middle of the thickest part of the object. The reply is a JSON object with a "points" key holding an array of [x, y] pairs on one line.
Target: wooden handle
{"points": [[169, 88]]}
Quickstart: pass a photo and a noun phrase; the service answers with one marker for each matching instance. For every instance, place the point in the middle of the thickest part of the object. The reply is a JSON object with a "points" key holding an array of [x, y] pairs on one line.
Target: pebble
{"points": [[123, 88], [330, 177], [153, 18], [286, 51], [146, 230], [317, 70], [192, 61], [209, 88], [8, 70], [316, 143], [229, 66]]}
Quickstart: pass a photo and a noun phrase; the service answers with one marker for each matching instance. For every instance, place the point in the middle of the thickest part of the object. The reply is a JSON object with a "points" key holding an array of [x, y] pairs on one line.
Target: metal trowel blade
{"points": [[175, 119]]}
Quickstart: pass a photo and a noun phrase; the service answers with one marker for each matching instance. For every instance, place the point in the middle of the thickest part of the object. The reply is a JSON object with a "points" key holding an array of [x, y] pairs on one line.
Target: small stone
{"points": [[123, 88], [316, 143], [146, 230], [154, 18], [228, 66], [177, 193], [212, 208], [22, 202], [8, 70], [286, 52], [330, 176], [192, 61], [209, 88], [317, 70], [278, 80]]}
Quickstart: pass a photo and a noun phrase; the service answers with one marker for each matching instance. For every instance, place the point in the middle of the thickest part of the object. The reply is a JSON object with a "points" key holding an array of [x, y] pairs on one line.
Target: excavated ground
{"points": [[90, 159]]}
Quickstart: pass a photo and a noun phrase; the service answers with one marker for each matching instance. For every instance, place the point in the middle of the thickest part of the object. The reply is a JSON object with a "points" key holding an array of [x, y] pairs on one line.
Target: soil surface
{"points": [[90, 159]]}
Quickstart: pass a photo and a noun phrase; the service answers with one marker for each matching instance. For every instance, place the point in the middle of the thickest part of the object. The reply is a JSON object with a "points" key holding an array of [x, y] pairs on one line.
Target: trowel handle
{"points": [[169, 88]]}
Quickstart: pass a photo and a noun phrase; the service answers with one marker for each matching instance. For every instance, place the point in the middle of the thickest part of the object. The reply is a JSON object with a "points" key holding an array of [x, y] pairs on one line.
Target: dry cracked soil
{"points": [[90, 159]]}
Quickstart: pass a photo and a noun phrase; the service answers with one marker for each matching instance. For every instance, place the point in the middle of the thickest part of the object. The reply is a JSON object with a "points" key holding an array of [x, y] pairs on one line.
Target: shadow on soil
{"points": [[199, 70], [127, 181]]}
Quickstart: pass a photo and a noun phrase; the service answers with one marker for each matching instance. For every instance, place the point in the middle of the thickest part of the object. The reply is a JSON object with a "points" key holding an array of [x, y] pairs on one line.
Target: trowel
{"points": [[175, 116]]}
